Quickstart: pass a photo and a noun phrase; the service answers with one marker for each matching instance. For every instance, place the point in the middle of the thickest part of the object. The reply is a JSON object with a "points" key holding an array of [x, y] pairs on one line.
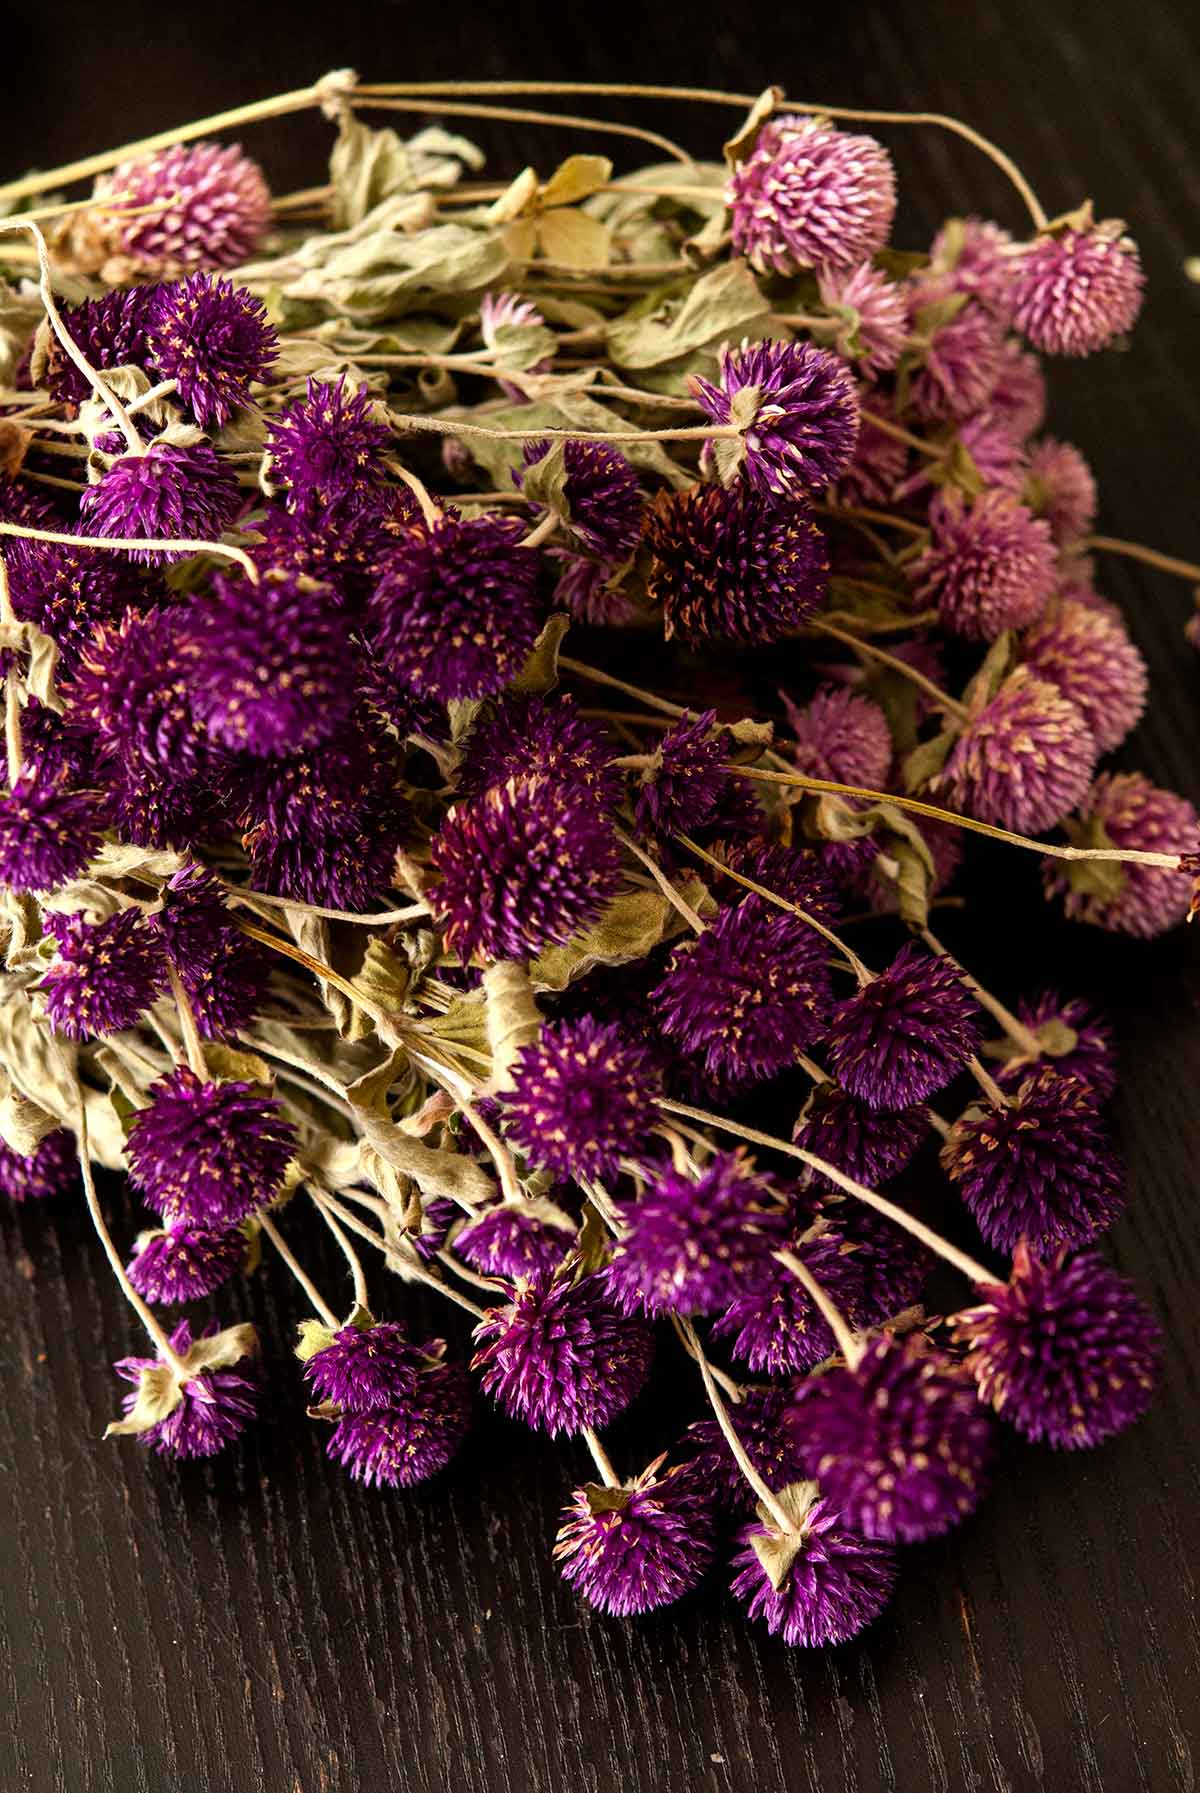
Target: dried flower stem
{"points": [[664, 883], [358, 1275], [829, 1311], [187, 1024], [129, 544], [372, 99], [1018, 1033], [12, 688], [721, 1377], [863, 514], [414, 423], [1150, 557], [596, 677], [868, 651], [600, 1458], [320, 1307], [412, 1267], [721, 1414]]}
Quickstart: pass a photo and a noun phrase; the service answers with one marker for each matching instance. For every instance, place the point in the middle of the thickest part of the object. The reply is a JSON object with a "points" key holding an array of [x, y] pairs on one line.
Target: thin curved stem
{"points": [[867, 650], [382, 918], [829, 1311], [414, 423], [1018, 1033], [664, 883], [864, 513], [130, 544], [371, 99], [721, 1414], [412, 1269], [187, 1025], [320, 1307], [595, 677], [358, 1275], [601, 1459], [1150, 557]]}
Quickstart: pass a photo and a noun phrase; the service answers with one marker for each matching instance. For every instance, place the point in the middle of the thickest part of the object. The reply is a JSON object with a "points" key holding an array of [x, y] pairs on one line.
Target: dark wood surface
{"points": [[261, 1625]]}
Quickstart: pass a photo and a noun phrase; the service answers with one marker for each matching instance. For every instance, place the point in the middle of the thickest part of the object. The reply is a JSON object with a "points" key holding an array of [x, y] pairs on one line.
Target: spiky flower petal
{"points": [[581, 1098], [1074, 291], [990, 565], [208, 1154], [185, 1263], [809, 195], [732, 564], [168, 493], [905, 1034], [821, 1583], [635, 1548], [327, 448], [1123, 809], [105, 975], [50, 1169], [797, 406], [1091, 658], [1024, 761], [214, 340]]}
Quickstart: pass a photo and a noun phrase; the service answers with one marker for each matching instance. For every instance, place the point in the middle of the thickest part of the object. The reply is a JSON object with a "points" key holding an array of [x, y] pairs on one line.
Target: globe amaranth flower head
{"points": [[516, 1239], [68, 590], [840, 735], [1065, 1349], [526, 865], [760, 1424], [879, 461], [959, 344], [890, 1267], [1090, 657], [640, 1546], [591, 590], [975, 255], [1123, 809], [214, 340], [372, 1365], [105, 975], [1077, 1042], [774, 1323], [1076, 290], [414, 1434], [210, 1408], [130, 691], [527, 736], [602, 495], [990, 565], [862, 1142], [50, 1169], [690, 1244], [168, 493], [559, 1356], [224, 974], [48, 832], [872, 316], [581, 1098], [208, 1154], [111, 331], [1019, 394], [188, 206], [1061, 488], [733, 564], [820, 1582], [809, 195], [1042, 1168], [899, 1442], [906, 1033], [327, 448], [680, 790], [1023, 761], [796, 406], [797, 874], [185, 1263], [457, 609]]}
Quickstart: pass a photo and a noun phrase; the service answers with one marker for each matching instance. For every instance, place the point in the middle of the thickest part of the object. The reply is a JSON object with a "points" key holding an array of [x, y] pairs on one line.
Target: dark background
{"points": [[261, 1623]]}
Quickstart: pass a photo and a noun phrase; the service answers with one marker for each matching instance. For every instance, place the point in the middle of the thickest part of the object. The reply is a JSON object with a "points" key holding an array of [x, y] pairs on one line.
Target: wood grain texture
{"points": [[263, 1626]]}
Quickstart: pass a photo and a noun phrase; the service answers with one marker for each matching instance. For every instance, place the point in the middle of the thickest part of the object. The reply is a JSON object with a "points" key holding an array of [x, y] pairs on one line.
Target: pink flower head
{"points": [[1024, 761], [1089, 655], [198, 205], [1077, 290], [1062, 489], [873, 314], [989, 566], [811, 196], [962, 348], [1126, 810]]}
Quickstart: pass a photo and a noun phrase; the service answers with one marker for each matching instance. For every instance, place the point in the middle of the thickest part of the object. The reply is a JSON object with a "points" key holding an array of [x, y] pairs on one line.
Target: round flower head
{"points": [[185, 1263], [760, 1421], [900, 1442], [539, 737], [905, 1034], [1124, 809], [224, 974], [590, 589], [68, 590], [1065, 1349], [691, 1243], [734, 565], [412, 1437], [344, 546], [1023, 762], [989, 566], [131, 692], [774, 1323], [821, 1583], [208, 1154], [50, 1169], [1062, 488], [327, 448], [679, 792], [516, 1239], [111, 331], [581, 1098], [1043, 1168], [862, 1142], [188, 206], [840, 736], [797, 406], [1091, 659], [213, 339], [47, 831], [961, 346], [975, 255], [366, 1367], [527, 865], [634, 1548], [1078, 1044], [603, 497], [457, 609], [809, 195], [559, 1357], [1075, 291], [1019, 394], [105, 975], [878, 464], [214, 1406], [797, 874], [872, 312], [890, 1267], [168, 493]]}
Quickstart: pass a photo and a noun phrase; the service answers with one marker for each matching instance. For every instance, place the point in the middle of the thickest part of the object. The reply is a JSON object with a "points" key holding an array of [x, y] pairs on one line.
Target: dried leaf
{"points": [[632, 924], [575, 179], [677, 320], [512, 1015], [573, 239], [742, 142], [540, 672], [158, 1394], [313, 1336], [777, 1552], [435, 1172], [924, 763], [24, 1124], [237, 1066]]}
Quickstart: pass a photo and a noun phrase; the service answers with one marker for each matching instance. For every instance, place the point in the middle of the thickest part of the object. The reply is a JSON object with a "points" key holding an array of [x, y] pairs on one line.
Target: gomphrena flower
{"points": [[348, 556], [526, 865], [809, 195], [1043, 1168], [110, 330], [224, 974], [498, 310], [691, 1243], [760, 1422], [214, 340], [168, 493], [862, 1142], [105, 974], [975, 255], [1075, 291], [68, 590], [890, 1267], [212, 1407], [130, 691], [900, 1442], [185, 1263], [590, 589], [640, 1546], [819, 1583], [960, 345], [48, 832], [1024, 761], [1124, 809], [516, 1239], [457, 609], [327, 448], [797, 408], [733, 564], [208, 1154], [774, 1323], [1092, 660], [1065, 1349], [414, 1434], [797, 874], [680, 791], [872, 312], [603, 497], [50, 1169], [368, 1366], [1062, 488], [905, 1034], [539, 737], [990, 565], [188, 206], [1019, 394], [841, 736], [878, 464], [1083, 1049], [581, 1098], [560, 1357]]}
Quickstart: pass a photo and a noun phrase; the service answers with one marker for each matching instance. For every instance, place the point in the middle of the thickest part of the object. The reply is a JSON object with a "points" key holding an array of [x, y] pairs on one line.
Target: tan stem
{"points": [[673, 896], [187, 1024], [844, 1338], [354, 1262], [372, 98], [129, 544], [320, 1307], [1150, 557], [596, 677], [1018, 1033], [868, 651], [601, 1459], [721, 1414]]}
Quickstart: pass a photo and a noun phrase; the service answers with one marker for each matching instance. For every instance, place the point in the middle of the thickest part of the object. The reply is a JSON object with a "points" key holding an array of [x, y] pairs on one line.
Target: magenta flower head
{"points": [[1090, 657], [369, 1366], [865, 1143], [48, 832], [168, 493], [602, 495], [900, 1442], [631, 1549], [1043, 1168], [690, 1243], [68, 590], [821, 1582], [414, 1434], [214, 340], [111, 331], [516, 1239], [581, 1098], [797, 408], [879, 461], [105, 975], [206, 1411], [185, 1263], [1075, 291], [590, 589], [1065, 1349], [774, 1323], [732, 564], [990, 565], [560, 1357], [840, 736], [759, 1421], [189, 206], [685, 785], [1019, 394], [1023, 761], [50, 1169], [872, 315], [208, 1154], [327, 449], [224, 973], [457, 609], [811, 196], [1062, 488], [906, 1034], [975, 256], [1124, 809], [1078, 1044], [960, 345], [540, 737]]}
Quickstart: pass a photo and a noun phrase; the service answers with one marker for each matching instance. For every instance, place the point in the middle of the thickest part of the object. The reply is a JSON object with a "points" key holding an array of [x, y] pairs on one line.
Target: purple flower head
{"points": [[961, 345], [879, 461], [873, 316], [47, 831], [797, 874], [999, 457], [1062, 489], [990, 565], [560, 1357], [1065, 1349], [516, 1239], [67, 591], [1090, 657], [367, 1367], [457, 609], [50, 1169], [412, 1437], [110, 330], [1077, 290], [631, 1549], [214, 1406], [171, 493], [188, 206], [975, 255], [891, 1268], [798, 408], [733, 564], [774, 1323], [1043, 1168], [540, 737], [1023, 761], [214, 340], [208, 1154], [900, 1442], [809, 195], [603, 496], [759, 1420], [840, 736], [130, 691], [106, 973], [821, 1584], [860, 1141], [224, 974], [690, 1244], [345, 547], [906, 1034], [1123, 809], [527, 865], [327, 448], [1019, 394], [185, 1263], [1089, 1056], [582, 1098], [688, 779], [585, 587]]}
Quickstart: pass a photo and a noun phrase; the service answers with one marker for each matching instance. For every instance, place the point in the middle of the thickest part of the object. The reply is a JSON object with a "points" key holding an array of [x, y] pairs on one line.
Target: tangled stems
{"points": [[129, 544], [320, 1307], [867, 650], [721, 1413]]}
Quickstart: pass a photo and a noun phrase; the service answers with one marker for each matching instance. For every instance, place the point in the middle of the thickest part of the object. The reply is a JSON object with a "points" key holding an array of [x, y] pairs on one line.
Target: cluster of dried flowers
{"points": [[335, 894]]}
